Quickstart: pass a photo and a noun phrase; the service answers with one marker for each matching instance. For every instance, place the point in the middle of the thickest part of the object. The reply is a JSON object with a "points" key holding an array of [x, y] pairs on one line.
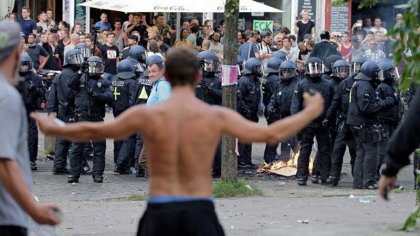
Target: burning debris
{"points": [[283, 168]]}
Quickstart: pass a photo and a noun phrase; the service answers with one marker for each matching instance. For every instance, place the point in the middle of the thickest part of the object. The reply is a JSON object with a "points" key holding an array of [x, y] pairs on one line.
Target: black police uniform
{"points": [[142, 90], [249, 93], [315, 129], [279, 108], [31, 89], [404, 141], [363, 120], [388, 117], [123, 91], [92, 93], [209, 90], [59, 101], [339, 107]]}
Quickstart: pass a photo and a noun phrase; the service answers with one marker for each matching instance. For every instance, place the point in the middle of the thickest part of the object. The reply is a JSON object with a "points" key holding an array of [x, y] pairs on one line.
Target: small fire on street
{"points": [[283, 168]]}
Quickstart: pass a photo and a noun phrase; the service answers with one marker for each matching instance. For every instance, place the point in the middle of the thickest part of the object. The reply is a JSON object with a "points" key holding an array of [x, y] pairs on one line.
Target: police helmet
{"points": [[280, 54], [154, 59], [26, 63], [330, 60], [325, 35], [126, 69], [253, 66], [73, 57], [314, 67], [370, 69], [138, 53], [356, 64], [388, 71], [84, 49], [341, 69], [96, 65], [287, 70], [273, 65], [209, 61]]}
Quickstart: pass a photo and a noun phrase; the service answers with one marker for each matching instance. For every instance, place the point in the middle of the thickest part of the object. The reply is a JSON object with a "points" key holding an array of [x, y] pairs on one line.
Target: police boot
{"points": [[315, 179], [140, 172], [98, 178], [333, 181], [302, 181], [33, 166], [72, 179]]}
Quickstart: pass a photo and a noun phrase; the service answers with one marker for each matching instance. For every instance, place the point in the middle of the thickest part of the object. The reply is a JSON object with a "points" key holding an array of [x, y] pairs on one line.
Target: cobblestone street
{"points": [[104, 209]]}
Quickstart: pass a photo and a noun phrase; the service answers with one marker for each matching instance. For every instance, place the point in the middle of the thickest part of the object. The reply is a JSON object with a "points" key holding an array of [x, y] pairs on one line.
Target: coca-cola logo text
{"points": [[169, 8]]}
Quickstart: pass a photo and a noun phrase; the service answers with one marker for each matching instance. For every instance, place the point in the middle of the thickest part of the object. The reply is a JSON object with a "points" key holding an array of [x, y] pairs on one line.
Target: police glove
{"points": [[389, 101], [30, 86], [325, 123], [91, 92]]}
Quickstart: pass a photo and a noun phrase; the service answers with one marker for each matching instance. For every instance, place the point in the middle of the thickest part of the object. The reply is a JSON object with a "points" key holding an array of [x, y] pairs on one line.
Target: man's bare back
{"points": [[181, 135]]}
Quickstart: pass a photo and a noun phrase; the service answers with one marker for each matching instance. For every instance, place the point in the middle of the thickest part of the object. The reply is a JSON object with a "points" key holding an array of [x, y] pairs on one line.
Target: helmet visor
{"points": [[75, 59], [315, 68], [389, 74], [210, 65], [86, 52], [341, 72], [287, 72], [96, 68], [25, 66], [355, 68]]}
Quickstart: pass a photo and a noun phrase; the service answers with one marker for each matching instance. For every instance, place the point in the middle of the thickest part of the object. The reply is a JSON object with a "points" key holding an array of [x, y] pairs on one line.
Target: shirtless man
{"points": [[181, 135]]}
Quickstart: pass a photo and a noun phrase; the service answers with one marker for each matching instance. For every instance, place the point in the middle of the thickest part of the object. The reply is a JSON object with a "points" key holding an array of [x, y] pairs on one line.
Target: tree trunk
{"points": [[229, 158]]}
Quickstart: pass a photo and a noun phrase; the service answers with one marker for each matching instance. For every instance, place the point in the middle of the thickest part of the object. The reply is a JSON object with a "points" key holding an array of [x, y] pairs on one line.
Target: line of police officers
{"points": [[362, 108]]}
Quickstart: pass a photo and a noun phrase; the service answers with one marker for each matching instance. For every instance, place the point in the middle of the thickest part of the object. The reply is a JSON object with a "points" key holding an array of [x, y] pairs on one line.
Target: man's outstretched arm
{"points": [[235, 125], [122, 127]]}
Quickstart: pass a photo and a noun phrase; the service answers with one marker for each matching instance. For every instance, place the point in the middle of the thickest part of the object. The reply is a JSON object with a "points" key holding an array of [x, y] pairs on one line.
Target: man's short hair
{"points": [[117, 20], [346, 33], [292, 37], [111, 33], [157, 16], [182, 66], [26, 8]]}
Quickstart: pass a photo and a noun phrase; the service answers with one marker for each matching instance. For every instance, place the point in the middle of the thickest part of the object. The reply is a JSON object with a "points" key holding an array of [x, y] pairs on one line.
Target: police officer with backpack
{"points": [[31, 89], [249, 97], [91, 94]]}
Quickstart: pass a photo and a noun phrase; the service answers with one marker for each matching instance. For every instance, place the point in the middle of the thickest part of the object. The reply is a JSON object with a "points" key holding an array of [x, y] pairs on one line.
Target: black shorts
{"points": [[180, 218], [8, 230]]}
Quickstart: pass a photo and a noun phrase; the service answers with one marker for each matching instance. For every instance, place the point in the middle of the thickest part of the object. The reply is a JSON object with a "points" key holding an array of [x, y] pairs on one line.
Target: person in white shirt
{"points": [[265, 47], [378, 26]]}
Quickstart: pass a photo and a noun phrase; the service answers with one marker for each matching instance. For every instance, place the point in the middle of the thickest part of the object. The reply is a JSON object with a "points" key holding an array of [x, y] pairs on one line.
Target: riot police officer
{"points": [[124, 87], [391, 116], [329, 61], [142, 91], [363, 120], [210, 87], [269, 85], [249, 96], [59, 102], [84, 50], [209, 90], [31, 89], [279, 106], [313, 81], [91, 95], [339, 108]]}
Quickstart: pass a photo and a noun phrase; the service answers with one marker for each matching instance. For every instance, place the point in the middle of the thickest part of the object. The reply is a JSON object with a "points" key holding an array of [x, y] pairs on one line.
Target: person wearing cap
{"points": [[16, 201], [161, 90], [131, 42]]}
